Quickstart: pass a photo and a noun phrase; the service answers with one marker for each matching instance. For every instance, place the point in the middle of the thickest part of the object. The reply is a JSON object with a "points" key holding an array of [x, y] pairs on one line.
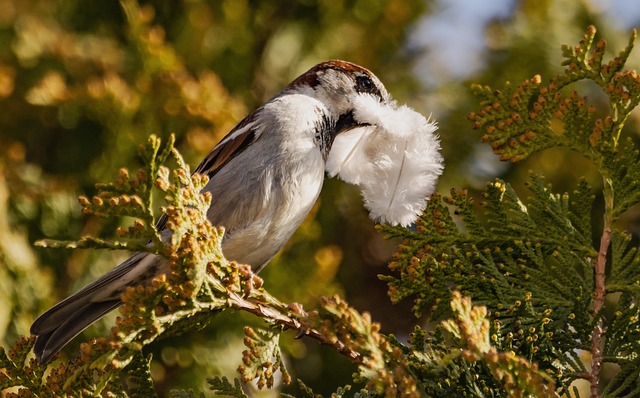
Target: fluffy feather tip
{"points": [[395, 160]]}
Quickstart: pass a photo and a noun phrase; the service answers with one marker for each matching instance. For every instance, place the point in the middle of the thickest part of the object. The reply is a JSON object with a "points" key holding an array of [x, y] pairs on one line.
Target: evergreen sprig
{"points": [[140, 382], [128, 196], [471, 330], [221, 386], [17, 371], [516, 246], [532, 262], [501, 264], [533, 116], [518, 121], [460, 359], [262, 358]]}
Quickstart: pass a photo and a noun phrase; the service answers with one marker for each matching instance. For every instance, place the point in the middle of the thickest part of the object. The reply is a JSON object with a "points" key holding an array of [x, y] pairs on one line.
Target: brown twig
{"points": [[600, 265], [269, 312], [600, 292]]}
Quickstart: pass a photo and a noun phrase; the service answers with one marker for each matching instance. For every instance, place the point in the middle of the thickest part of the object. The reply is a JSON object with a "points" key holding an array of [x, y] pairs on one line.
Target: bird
{"points": [[265, 176]]}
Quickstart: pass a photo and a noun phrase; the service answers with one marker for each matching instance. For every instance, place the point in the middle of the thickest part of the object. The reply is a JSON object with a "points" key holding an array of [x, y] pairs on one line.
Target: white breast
{"points": [[263, 194]]}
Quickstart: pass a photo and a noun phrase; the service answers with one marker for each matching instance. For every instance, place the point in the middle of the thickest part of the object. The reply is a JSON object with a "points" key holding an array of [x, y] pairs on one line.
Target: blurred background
{"points": [[83, 83]]}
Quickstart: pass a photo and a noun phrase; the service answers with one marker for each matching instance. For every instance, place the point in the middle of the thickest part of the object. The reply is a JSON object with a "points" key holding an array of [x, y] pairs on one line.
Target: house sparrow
{"points": [[264, 178]]}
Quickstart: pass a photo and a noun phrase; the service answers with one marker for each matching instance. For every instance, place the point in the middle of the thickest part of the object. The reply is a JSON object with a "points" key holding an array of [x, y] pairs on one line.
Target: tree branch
{"points": [[273, 314], [600, 292]]}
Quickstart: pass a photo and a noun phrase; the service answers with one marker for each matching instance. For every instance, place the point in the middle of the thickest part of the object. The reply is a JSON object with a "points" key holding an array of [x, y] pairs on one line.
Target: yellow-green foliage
{"points": [[533, 263]]}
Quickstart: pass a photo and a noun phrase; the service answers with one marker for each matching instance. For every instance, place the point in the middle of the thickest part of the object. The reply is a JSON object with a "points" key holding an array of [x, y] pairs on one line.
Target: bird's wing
{"points": [[240, 138]]}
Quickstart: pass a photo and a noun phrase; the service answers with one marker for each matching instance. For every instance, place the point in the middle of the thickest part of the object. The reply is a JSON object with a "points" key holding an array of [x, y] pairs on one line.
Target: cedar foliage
{"points": [[534, 268]]}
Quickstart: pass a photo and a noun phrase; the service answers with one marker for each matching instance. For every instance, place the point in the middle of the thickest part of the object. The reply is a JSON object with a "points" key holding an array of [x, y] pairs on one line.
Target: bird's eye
{"points": [[364, 84]]}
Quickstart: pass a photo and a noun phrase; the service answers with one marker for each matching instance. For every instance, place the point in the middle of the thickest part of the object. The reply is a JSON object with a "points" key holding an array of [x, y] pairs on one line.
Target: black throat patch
{"points": [[323, 136], [328, 128]]}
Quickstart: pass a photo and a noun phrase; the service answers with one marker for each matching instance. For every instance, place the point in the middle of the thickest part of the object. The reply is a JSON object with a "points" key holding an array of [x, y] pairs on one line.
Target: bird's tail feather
{"points": [[53, 338], [65, 320]]}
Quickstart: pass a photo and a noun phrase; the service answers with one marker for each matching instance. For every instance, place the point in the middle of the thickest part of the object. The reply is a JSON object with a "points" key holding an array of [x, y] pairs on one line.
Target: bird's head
{"points": [[337, 84]]}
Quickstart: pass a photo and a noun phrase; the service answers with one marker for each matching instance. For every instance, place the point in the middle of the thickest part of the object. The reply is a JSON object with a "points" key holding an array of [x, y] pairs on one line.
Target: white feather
{"points": [[347, 158], [395, 160]]}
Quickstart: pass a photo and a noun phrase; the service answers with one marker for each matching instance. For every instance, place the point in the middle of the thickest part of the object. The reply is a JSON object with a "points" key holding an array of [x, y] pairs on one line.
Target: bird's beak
{"points": [[345, 122]]}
